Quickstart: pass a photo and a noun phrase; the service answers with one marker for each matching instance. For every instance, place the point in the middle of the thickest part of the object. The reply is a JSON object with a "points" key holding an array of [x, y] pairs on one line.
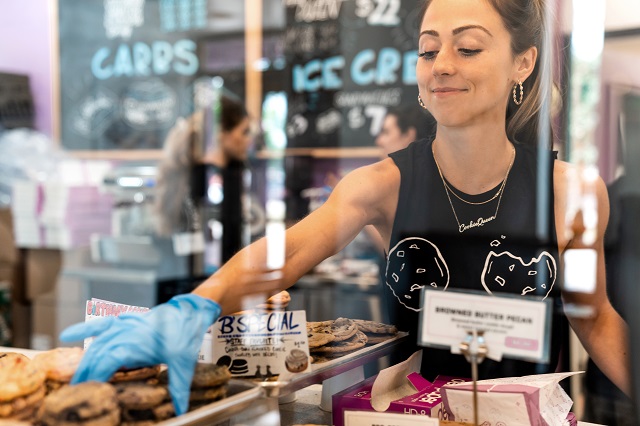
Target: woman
{"points": [[234, 139], [472, 55], [194, 168], [184, 157]]}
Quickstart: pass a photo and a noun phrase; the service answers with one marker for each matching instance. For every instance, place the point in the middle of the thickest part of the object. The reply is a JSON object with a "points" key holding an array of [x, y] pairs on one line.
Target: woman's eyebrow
{"points": [[457, 31]]}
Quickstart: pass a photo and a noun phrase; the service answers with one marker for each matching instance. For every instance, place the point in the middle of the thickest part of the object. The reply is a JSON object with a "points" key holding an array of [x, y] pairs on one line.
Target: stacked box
{"points": [[427, 401], [59, 215]]}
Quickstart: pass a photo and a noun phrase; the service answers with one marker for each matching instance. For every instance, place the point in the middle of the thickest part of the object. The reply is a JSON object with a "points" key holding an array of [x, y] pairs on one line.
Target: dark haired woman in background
{"points": [[403, 125]]}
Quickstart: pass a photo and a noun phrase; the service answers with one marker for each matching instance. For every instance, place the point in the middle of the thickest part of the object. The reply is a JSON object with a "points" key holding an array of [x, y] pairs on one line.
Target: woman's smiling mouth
{"points": [[446, 91]]}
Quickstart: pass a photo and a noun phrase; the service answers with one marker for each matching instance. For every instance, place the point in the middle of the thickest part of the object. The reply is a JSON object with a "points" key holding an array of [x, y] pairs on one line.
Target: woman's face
{"points": [[466, 69], [237, 141]]}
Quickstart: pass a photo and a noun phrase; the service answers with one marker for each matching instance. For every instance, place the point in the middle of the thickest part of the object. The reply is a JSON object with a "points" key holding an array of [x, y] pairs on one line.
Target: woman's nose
{"points": [[443, 63]]}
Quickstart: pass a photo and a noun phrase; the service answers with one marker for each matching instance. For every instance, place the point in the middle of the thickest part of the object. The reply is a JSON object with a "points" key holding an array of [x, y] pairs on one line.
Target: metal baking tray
{"points": [[329, 369], [241, 394]]}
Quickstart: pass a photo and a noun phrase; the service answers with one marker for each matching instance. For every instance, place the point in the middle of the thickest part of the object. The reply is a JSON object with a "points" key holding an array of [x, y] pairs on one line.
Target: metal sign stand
{"points": [[474, 349]]}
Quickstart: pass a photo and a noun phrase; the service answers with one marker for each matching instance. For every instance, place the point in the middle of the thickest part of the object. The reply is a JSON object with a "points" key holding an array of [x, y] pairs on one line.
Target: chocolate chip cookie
{"points": [[59, 364], [205, 375], [19, 376], [135, 374], [13, 408], [141, 402], [341, 328], [208, 394], [374, 327], [358, 341], [140, 396], [89, 403]]}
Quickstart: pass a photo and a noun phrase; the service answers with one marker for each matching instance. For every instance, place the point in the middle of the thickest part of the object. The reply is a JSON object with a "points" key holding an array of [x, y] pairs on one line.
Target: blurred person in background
{"points": [[605, 403], [403, 125], [185, 149], [193, 176]]}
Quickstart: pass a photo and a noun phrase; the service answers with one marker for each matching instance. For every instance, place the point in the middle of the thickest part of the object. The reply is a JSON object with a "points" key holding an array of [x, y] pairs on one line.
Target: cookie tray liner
{"points": [[326, 370]]}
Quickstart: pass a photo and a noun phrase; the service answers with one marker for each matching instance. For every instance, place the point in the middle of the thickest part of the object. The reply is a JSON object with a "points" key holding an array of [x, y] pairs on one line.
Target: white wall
{"points": [[25, 48], [619, 14]]}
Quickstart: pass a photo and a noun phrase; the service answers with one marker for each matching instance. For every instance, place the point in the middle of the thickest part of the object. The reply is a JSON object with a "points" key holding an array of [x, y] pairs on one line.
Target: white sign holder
{"points": [[474, 349], [515, 327]]}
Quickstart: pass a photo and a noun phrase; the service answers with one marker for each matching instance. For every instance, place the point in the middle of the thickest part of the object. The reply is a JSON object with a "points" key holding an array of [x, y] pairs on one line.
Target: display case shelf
{"points": [[329, 369]]}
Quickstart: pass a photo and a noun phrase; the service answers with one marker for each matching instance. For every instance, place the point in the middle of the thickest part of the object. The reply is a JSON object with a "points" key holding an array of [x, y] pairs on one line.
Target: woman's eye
{"points": [[428, 55], [469, 52]]}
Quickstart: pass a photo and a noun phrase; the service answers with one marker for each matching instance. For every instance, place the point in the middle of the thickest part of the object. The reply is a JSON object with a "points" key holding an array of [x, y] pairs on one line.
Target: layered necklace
{"points": [[480, 221]]}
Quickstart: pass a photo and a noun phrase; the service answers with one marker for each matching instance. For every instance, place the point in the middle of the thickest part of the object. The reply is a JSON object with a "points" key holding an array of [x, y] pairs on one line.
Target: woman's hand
{"points": [[171, 333]]}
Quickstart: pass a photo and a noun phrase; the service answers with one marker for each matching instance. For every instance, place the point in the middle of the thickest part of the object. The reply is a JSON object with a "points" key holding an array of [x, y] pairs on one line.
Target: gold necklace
{"points": [[480, 221], [446, 184]]}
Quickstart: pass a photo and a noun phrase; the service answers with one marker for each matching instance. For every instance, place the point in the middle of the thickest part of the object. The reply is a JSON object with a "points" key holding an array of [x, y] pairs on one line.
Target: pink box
{"points": [[518, 401], [427, 401]]}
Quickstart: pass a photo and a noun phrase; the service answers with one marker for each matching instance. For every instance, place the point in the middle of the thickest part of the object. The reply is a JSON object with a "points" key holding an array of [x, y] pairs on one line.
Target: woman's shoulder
{"points": [[568, 176], [415, 151], [370, 188], [561, 168], [378, 173]]}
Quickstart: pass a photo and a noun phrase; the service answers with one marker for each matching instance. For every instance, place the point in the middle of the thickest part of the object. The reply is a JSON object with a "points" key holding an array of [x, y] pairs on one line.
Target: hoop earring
{"points": [[515, 100], [421, 103]]}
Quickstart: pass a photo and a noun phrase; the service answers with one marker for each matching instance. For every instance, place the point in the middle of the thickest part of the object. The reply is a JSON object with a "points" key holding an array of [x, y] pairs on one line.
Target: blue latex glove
{"points": [[171, 333]]}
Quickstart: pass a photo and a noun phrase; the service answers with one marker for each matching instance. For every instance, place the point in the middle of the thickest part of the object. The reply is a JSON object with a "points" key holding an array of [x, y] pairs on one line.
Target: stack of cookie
{"points": [[209, 384], [58, 365], [376, 332], [141, 399], [143, 404], [333, 339], [21, 387], [89, 403]]}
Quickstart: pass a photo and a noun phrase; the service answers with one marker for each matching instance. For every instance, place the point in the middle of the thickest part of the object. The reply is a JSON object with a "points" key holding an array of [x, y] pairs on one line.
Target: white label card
{"points": [[374, 418], [98, 308], [260, 344], [513, 327]]}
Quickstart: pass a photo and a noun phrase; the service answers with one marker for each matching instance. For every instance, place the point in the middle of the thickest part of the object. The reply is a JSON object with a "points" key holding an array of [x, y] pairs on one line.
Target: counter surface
{"points": [[305, 409]]}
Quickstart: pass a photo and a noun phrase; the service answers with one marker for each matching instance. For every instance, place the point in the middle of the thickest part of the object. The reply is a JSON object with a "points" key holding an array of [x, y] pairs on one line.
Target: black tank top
{"points": [[428, 249]]}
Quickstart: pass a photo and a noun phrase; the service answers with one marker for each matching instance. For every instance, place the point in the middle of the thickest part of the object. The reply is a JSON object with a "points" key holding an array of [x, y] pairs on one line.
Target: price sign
{"points": [[373, 418], [513, 327]]}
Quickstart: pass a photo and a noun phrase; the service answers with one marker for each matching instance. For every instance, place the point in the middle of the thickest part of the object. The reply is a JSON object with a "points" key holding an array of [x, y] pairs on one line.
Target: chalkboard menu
{"points": [[126, 69], [350, 60]]}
